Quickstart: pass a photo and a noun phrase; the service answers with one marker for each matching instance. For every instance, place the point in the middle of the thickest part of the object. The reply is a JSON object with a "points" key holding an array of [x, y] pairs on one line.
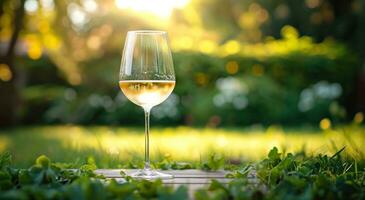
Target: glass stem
{"points": [[147, 139]]}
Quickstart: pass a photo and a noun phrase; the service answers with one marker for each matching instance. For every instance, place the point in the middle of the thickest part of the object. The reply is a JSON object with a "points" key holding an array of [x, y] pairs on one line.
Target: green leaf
{"points": [[5, 160], [274, 154], [43, 161], [25, 178], [214, 162], [338, 152], [166, 193]]}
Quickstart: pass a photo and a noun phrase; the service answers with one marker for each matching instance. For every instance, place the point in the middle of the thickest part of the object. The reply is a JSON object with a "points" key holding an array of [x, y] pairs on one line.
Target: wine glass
{"points": [[147, 78]]}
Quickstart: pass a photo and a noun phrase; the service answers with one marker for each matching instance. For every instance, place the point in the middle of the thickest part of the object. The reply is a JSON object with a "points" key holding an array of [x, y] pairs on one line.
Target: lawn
{"points": [[113, 147]]}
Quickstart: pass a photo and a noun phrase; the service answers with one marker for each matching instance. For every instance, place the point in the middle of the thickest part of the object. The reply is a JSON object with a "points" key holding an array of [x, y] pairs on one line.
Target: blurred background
{"points": [[256, 64], [264, 62]]}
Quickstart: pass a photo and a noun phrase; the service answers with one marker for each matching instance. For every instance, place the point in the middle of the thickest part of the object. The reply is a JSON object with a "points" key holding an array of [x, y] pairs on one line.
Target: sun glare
{"points": [[161, 8]]}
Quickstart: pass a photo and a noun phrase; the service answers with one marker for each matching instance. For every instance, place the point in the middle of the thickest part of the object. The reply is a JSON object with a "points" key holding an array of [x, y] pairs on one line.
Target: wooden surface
{"points": [[192, 179]]}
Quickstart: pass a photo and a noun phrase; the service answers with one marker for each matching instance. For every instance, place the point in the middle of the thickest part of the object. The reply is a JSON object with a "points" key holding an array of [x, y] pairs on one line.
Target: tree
{"points": [[9, 92]]}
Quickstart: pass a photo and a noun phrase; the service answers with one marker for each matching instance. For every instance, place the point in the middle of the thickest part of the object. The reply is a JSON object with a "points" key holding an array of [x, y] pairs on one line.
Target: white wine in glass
{"points": [[147, 93], [147, 79]]}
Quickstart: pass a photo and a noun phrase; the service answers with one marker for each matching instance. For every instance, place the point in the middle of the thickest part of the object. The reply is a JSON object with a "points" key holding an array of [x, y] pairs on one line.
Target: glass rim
{"points": [[147, 32]]}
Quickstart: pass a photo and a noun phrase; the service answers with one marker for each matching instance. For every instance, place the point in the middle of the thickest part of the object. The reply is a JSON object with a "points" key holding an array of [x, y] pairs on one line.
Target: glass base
{"points": [[150, 174]]}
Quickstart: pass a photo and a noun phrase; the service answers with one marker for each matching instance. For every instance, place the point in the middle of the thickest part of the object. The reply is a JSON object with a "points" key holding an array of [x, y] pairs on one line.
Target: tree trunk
{"points": [[9, 92], [360, 97]]}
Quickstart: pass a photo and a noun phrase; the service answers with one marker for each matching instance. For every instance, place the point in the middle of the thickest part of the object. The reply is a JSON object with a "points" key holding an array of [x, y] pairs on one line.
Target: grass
{"points": [[111, 147]]}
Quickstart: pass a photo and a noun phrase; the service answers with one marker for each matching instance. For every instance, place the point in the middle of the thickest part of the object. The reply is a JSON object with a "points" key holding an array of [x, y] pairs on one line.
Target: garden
{"points": [[268, 99]]}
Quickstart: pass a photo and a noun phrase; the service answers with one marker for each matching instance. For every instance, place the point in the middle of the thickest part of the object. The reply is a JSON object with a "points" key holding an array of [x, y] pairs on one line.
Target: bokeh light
{"points": [[232, 67], [31, 6], [325, 124], [359, 117], [5, 73]]}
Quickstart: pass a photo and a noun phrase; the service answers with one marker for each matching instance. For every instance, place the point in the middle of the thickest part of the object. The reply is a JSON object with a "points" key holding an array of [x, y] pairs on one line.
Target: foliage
{"points": [[47, 180], [214, 162], [294, 177], [305, 84], [279, 177]]}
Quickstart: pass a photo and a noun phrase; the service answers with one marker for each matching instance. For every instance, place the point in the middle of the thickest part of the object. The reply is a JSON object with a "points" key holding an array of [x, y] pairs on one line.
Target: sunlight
{"points": [[181, 143], [161, 8]]}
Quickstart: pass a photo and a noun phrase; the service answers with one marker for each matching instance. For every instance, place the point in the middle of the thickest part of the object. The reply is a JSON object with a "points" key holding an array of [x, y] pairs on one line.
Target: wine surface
{"points": [[147, 93]]}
